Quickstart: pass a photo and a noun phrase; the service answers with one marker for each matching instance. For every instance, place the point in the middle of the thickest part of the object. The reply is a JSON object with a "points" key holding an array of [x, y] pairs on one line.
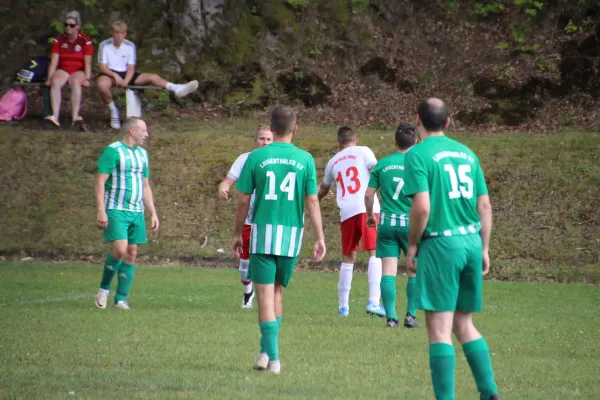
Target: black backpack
{"points": [[34, 70]]}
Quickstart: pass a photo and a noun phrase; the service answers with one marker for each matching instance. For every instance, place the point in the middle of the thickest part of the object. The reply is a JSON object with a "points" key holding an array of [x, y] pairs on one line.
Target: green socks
{"points": [[478, 357], [126, 273], [269, 333], [442, 361], [411, 292], [262, 342], [388, 296], [111, 266]]}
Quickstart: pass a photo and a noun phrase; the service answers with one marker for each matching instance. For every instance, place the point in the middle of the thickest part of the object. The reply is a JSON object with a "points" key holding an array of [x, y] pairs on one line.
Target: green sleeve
{"points": [[480, 185], [374, 179], [415, 175], [108, 160], [246, 183], [311, 177]]}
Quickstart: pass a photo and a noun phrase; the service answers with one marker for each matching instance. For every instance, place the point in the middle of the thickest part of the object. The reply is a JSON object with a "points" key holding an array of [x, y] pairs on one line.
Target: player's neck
{"points": [[72, 37], [345, 146], [282, 139], [128, 141], [399, 150], [433, 134]]}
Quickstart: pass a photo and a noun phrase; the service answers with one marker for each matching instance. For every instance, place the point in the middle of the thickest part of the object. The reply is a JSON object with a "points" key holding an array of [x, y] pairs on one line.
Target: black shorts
{"points": [[122, 75]]}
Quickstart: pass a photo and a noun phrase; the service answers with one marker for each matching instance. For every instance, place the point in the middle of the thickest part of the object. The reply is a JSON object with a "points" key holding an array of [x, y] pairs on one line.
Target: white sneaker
{"points": [[102, 298], [123, 305], [247, 301], [262, 362], [274, 367], [184, 90], [115, 123]]}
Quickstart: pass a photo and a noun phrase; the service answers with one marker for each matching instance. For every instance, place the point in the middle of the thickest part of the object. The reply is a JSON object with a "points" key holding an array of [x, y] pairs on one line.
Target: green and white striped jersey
{"points": [[388, 177], [127, 167], [282, 175]]}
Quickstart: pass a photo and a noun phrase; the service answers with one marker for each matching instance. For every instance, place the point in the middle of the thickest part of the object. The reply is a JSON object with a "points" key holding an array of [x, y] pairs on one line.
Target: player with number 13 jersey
{"points": [[350, 169]]}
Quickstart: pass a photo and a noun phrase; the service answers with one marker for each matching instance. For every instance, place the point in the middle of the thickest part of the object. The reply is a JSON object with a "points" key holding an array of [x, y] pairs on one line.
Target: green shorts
{"points": [[265, 269], [449, 274], [391, 240], [125, 225]]}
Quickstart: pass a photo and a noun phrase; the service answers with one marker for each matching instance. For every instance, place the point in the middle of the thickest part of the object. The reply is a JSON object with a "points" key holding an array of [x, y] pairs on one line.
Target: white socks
{"points": [[114, 110], [173, 87], [243, 276], [374, 280], [344, 285]]}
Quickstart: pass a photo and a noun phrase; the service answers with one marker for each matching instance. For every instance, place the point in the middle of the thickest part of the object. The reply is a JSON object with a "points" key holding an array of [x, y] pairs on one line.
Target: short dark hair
{"points": [[345, 135], [433, 114], [406, 136], [283, 120]]}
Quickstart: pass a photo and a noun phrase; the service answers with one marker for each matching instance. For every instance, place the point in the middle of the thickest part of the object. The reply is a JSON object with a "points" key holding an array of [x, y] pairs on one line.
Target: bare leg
{"points": [[75, 81], [59, 79], [150, 79], [104, 84]]}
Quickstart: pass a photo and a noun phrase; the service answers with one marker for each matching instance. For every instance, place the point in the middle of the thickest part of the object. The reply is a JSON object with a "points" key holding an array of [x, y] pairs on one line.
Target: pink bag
{"points": [[13, 105]]}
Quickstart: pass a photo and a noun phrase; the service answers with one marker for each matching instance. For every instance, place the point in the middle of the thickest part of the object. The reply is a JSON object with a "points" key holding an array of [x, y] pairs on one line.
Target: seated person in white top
{"points": [[117, 60]]}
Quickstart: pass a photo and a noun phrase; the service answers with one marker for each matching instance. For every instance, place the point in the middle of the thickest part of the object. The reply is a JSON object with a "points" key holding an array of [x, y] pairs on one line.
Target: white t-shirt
{"points": [[234, 174], [117, 59], [351, 170]]}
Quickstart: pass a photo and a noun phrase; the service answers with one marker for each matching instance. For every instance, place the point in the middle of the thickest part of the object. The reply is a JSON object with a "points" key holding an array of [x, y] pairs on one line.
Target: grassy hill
{"points": [[545, 192]]}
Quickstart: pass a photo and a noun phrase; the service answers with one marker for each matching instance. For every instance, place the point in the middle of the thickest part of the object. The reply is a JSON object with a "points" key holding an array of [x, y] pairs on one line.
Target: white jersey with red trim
{"points": [[234, 174], [351, 170]]}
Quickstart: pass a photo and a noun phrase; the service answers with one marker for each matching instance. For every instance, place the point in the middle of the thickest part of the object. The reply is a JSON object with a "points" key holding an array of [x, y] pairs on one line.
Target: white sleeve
{"points": [[132, 56], [102, 54], [236, 169], [328, 178], [370, 159]]}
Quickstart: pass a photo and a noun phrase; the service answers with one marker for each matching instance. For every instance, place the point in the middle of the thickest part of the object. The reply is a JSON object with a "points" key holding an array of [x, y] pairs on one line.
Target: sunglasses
{"points": [[69, 25]]}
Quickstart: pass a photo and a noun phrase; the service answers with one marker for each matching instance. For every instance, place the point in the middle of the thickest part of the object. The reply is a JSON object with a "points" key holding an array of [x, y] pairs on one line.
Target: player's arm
{"points": [[323, 192], [54, 57], [129, 74], [312, 203], [224, 188], [324, 188], [484, 209], [101, 219], [370, 197], [369, 201], [149, 204], [419, 215]]}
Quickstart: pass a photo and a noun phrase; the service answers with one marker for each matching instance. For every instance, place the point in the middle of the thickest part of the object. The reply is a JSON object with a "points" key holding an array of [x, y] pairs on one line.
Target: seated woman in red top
{"points": [[71, 61]]}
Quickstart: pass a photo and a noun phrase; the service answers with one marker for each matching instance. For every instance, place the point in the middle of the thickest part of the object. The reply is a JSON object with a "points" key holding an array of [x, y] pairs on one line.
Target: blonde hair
{"points": [[74, 15], [119, 26], [262, 128]]}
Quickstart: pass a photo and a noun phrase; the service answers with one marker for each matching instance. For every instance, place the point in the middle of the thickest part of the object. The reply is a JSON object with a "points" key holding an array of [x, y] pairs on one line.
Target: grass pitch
{"points": [[186, 337]]}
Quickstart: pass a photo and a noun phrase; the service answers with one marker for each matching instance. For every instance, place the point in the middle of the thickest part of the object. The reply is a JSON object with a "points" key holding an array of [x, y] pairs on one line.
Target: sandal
{"points": [[77, 120], [51, 119]]}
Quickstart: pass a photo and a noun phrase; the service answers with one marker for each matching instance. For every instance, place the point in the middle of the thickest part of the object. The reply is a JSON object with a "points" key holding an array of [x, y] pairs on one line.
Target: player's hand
{"points": [[330, 194], [102, 219], [411, 261], [371, 221], [223, 193], [48, 82], [319, 250], [155, 222], [236, 245], [119, 81], [486, 262], [86, 83]]}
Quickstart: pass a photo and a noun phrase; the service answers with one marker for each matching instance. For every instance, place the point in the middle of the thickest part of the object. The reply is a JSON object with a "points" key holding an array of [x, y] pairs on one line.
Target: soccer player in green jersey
{"points": [[450, 227], [122, 192], [392, 232], [282, 176]]}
